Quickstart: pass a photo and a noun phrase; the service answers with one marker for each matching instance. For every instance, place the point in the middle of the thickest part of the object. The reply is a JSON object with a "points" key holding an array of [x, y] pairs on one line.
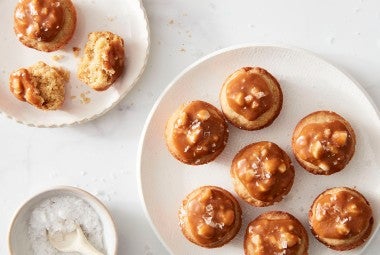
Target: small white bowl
{"points": [[18, 239]]}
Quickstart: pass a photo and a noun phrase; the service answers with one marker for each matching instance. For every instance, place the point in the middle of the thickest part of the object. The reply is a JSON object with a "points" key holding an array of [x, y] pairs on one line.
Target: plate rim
{"points": [[109, 108], [201, 60]]}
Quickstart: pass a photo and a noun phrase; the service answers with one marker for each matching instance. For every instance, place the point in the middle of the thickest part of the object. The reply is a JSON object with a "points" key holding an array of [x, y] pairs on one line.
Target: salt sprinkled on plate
{"points": [[63, 214]]}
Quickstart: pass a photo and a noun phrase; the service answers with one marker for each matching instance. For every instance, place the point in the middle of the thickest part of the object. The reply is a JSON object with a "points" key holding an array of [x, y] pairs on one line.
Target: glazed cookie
{"points": [[45, 25], [274, 233], [40, 85], [262, 173], [210, 217], [196, 133], [251, 98], [323, 142], [341, 218]]}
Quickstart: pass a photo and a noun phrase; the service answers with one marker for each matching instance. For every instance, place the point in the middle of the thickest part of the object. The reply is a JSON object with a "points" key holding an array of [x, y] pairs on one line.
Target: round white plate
{"points": [[308, 84], [126, 18]]}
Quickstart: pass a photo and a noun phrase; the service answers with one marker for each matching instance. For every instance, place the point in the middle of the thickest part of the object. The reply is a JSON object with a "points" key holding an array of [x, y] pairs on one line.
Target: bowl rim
{"points": [[87, 196]]}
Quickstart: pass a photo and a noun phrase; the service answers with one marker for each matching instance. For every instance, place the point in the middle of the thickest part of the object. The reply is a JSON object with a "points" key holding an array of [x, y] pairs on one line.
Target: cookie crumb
{"points": [[57, 57], [76, 51], [84, 99]]}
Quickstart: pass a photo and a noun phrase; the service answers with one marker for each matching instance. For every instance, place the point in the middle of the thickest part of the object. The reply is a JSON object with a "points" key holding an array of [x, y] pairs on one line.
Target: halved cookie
{"points": [[323, 142], [210, 217], [45, 25], [251, 98], [40, 85], [103, 60], [341, 218]]}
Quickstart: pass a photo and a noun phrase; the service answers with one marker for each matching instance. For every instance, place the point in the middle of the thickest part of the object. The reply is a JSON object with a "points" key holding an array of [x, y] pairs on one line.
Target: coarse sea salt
{"points": [[63, 214]]}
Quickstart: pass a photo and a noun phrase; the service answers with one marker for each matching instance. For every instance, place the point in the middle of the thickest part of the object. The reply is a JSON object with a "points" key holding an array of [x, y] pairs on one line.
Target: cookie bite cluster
{"points": [[48, 25], [210, 216], [262, 173]]}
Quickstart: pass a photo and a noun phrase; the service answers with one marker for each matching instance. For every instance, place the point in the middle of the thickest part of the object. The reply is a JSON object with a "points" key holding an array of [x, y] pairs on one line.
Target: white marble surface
{"points": [[100, 156]]}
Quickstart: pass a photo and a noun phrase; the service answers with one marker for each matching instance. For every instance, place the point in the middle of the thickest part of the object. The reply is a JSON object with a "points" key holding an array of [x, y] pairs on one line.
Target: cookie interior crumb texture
{"points": [[40, 85], [103, 60]]}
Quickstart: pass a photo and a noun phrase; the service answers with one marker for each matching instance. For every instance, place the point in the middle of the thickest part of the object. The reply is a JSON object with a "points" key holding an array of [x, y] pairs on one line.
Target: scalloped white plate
{"points": [[124, 17], [309, 84]]}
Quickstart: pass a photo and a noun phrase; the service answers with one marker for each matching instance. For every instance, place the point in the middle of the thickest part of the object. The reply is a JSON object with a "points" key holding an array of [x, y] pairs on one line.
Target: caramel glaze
{"points": [[326, 145], [200, 130], [249, 95], [41, 20], [21, 85], [210, 215], [340, 215], [264, 169], [267, 236]]}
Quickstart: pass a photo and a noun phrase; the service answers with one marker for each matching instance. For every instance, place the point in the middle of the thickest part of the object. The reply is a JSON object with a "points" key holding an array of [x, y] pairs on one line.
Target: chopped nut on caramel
{"points": [[205, 231], [182, 120], [316, 149], [352, 208], [327, 133], [239, 98], [270, 165], [203, 115], [193, 135], [257, 93], [339, 137], [342, 229], [320, 212], [264, 152], [282, 168], [324, 166], [206, 195], [226, 217], [288, 240], [248, 99], [254, 105]]}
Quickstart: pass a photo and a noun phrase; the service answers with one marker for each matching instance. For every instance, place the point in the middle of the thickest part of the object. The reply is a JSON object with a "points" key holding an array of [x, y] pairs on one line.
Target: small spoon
{"points": [[72, 242]]}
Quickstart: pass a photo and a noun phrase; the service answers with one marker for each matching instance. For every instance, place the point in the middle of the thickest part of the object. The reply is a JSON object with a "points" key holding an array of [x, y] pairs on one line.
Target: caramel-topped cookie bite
{"points": [[251, 98], [210, 217], [44, 25], [103, 61], [196, 133], [40, 85], [323, 142], [262, 173], [341, 218], [274, 233]]}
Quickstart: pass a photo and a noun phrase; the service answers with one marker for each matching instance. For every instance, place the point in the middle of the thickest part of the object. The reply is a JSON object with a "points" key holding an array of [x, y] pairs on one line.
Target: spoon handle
{"points": [[84, 246], [87, 249]]}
